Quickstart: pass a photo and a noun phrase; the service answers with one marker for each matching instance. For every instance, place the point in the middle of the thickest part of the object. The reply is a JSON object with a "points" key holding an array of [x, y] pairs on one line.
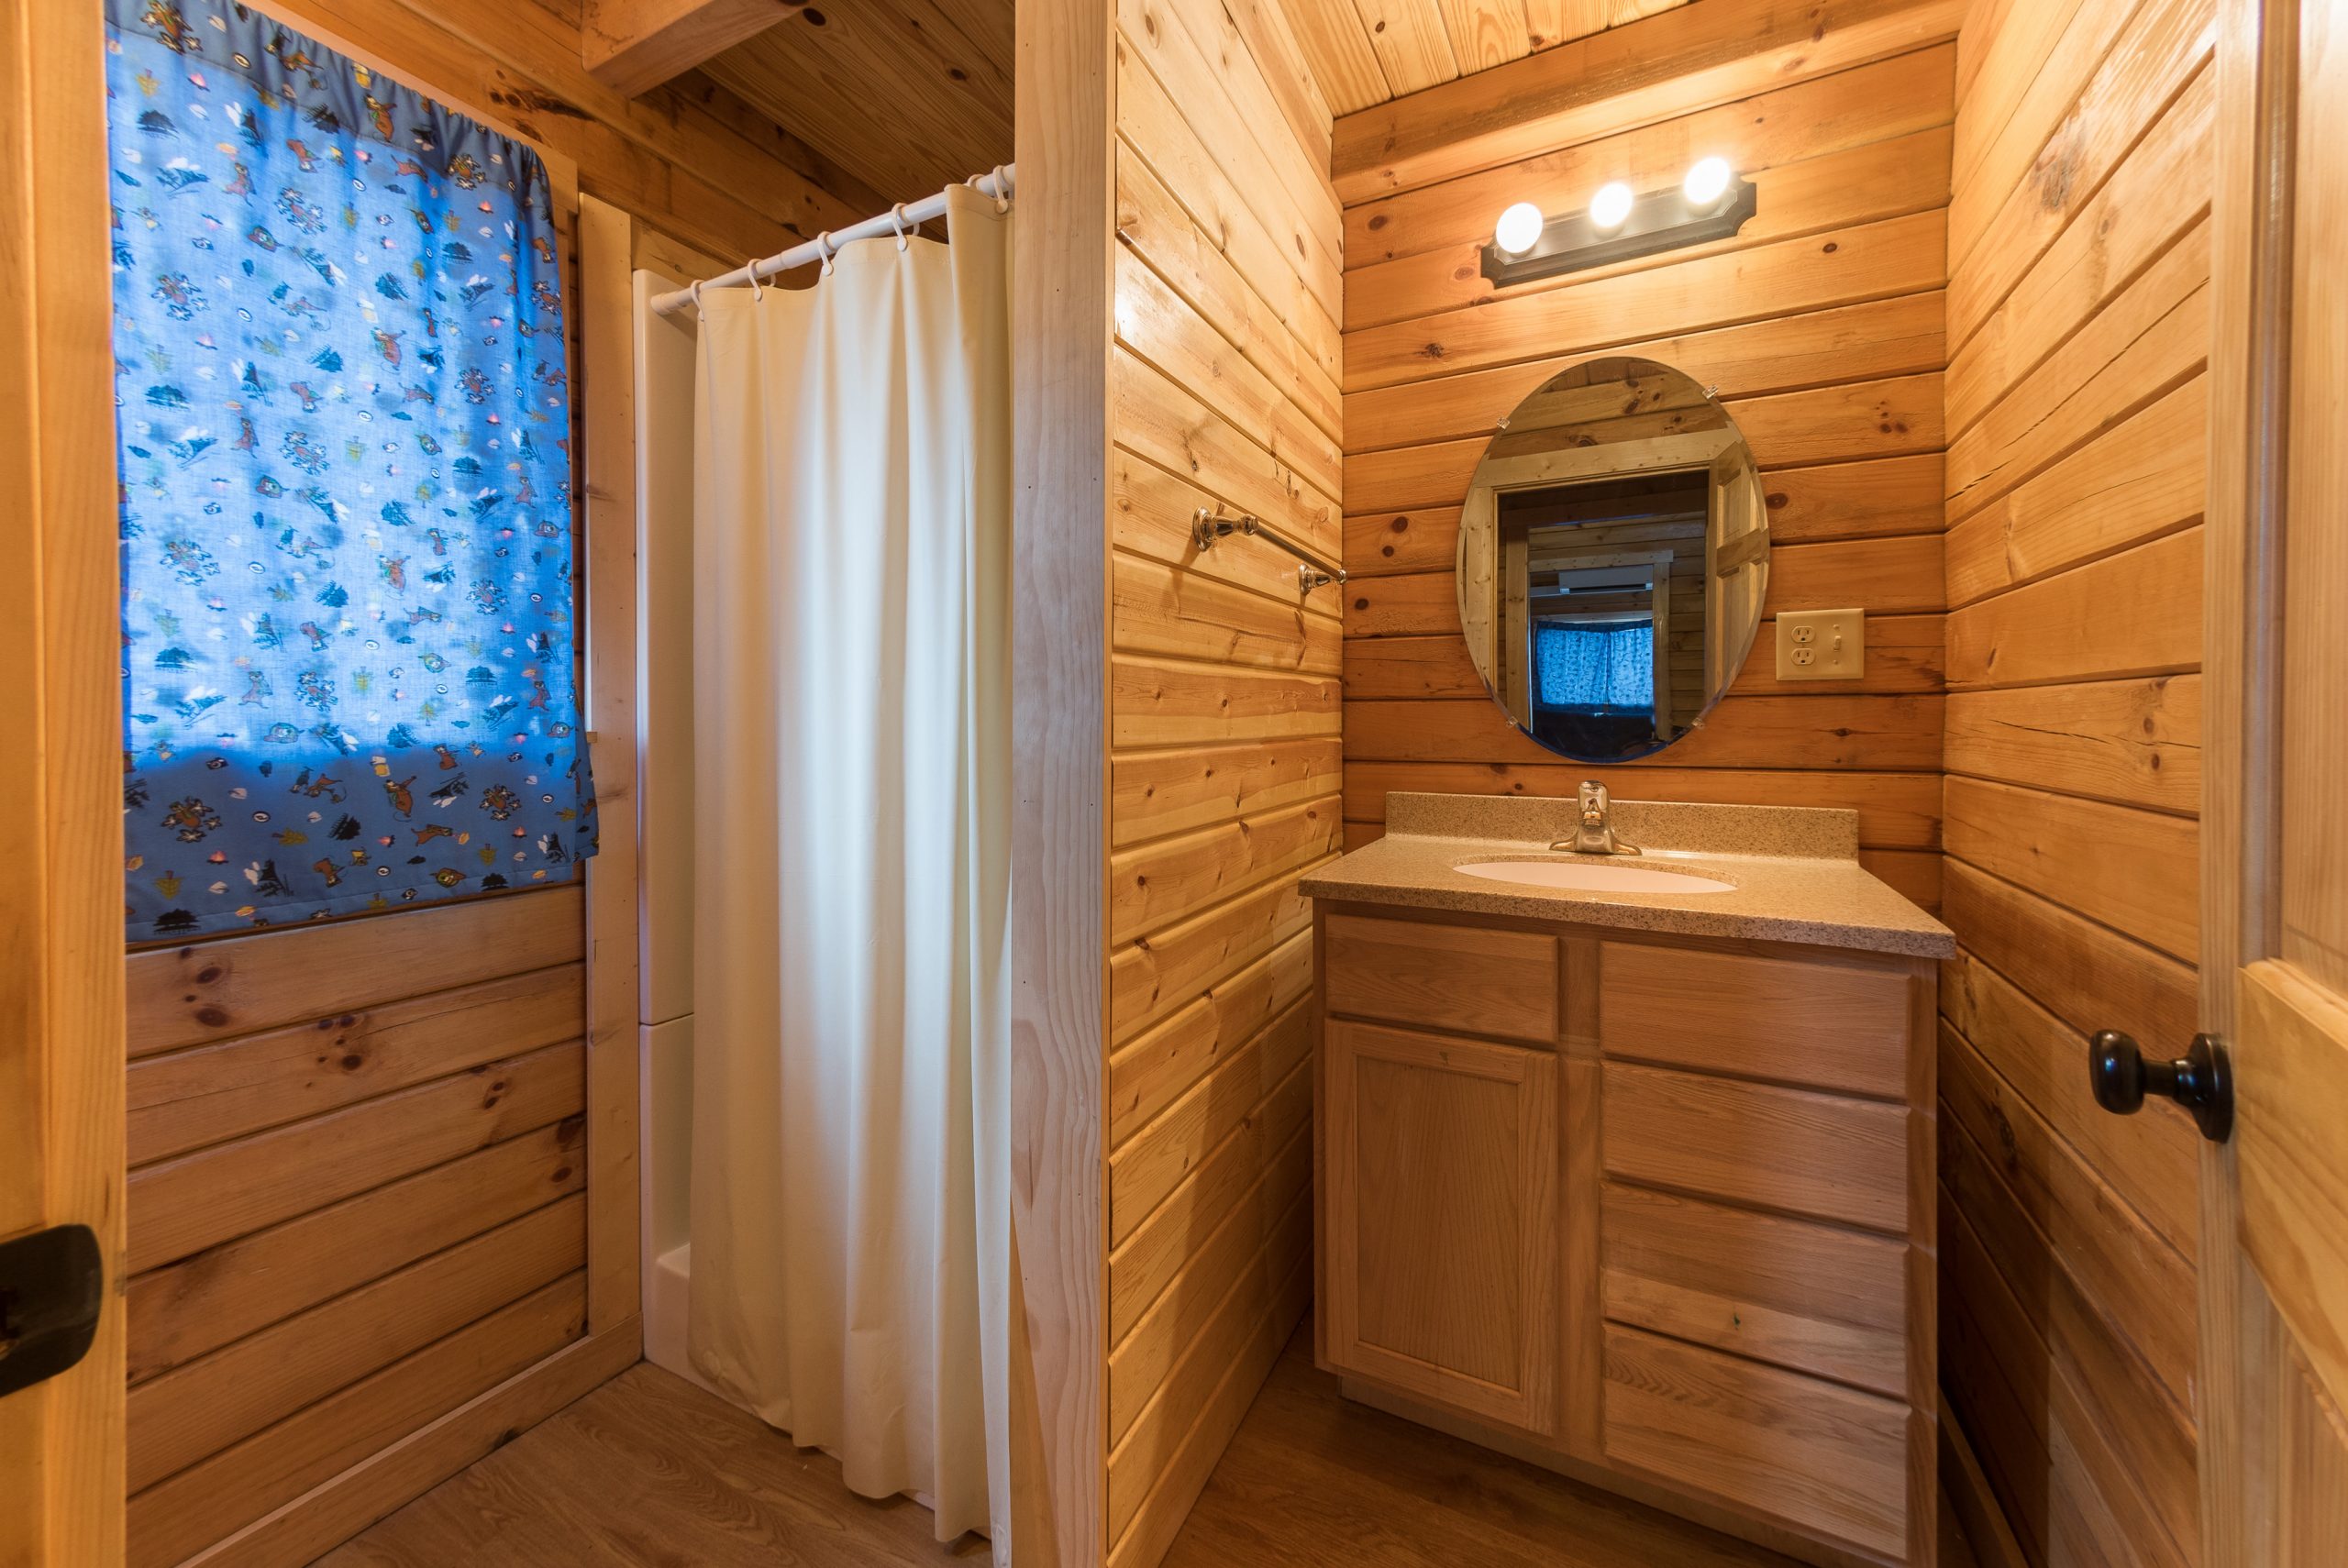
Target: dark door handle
{"points": [[52, 1285], [2202, 1080]]}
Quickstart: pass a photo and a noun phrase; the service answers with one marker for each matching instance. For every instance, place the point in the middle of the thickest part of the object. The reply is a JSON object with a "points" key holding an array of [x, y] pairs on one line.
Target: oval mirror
{"points": [[1613, 558]]}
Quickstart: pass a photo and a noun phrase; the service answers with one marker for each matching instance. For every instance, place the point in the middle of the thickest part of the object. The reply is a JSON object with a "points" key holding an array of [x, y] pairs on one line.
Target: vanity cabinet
{"points": [[1654, 1210]]}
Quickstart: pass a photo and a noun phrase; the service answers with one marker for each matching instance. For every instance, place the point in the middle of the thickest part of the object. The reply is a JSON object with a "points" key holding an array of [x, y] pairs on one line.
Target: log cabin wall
{"points": [[2078, 334], [1224, 716], [356, 1198], [365, 1239], [1822, 325]]}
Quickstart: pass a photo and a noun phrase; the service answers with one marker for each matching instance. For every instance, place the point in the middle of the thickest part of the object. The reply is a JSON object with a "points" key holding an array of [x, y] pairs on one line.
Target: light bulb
{"points": [[1611, 205], [1519, 229], [1707, 182]]}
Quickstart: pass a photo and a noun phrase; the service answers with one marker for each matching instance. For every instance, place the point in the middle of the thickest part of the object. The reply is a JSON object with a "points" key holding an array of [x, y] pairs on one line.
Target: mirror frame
{"points": [[1736, 511]]}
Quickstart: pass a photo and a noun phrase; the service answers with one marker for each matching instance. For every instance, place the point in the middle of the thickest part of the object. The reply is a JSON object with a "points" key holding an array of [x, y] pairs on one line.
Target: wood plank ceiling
{"points": [[898, 97], [907, 95], [1362, 52]]}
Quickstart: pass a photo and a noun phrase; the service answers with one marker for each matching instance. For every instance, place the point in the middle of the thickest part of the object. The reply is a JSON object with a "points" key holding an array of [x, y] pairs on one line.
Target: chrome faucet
{"points": [[1595, 834]]}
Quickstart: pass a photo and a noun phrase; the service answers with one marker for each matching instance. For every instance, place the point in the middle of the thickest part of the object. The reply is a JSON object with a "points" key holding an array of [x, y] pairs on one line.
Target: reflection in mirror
{"points": [[1613, 558]]}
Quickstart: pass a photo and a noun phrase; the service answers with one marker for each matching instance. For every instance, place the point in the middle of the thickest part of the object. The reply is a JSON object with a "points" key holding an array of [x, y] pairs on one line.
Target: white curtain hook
{"points": [[1002, 191], [824, 249], [750, 269], [897, 222], [695, 292]]}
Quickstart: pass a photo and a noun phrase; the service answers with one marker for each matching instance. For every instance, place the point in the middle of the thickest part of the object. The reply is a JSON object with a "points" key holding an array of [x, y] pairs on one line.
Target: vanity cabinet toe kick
{"points": [[1655, 1211]]}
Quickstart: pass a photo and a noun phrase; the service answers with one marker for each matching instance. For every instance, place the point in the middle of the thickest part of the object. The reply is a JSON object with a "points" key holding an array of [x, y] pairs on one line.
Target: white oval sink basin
{"points": [[1596, 876]]}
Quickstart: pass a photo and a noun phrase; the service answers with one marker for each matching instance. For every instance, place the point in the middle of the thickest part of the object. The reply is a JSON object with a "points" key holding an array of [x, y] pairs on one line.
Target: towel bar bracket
{"points": [[1209, 525]]}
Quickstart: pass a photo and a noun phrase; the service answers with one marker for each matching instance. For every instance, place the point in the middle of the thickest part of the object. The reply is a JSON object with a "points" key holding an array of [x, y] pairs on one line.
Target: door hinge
{"points": [[52, 1285]]}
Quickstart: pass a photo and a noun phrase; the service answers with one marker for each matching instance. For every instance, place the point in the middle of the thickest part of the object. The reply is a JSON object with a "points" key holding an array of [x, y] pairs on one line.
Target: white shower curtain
{"points": [[852, 711]]}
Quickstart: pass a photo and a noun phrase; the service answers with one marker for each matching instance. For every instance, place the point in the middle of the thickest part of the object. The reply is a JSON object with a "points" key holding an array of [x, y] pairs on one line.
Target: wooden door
{"points": [[60, 817], [1441, 1174], [2274, 890]]}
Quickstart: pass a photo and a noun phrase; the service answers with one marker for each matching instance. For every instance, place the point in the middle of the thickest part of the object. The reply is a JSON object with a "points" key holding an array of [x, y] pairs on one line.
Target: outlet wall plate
{"points": [[1822, 645]]}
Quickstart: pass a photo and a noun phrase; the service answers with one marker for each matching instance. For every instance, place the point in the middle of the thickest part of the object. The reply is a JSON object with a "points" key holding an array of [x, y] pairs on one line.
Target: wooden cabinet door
{"points": [[1440, 1203]]}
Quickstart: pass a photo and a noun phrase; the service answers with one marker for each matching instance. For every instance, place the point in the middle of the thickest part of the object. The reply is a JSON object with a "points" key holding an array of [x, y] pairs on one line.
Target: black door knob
{"points": [[2201, 1080]]}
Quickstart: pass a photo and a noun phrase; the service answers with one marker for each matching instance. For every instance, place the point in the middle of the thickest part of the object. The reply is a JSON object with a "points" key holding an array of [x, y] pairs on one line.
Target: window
{"points": [[1595, 667], [344, 420]]}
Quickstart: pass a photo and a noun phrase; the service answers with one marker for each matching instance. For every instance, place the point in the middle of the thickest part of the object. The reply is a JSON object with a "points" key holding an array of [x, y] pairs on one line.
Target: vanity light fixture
{"points": [[1611, 207], [1706, 182], [1519, 229], [1711, 203]]}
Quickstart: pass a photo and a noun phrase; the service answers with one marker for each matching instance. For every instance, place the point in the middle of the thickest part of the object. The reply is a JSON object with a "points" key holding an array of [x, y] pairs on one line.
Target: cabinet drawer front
{"points": [[1447, 976], [1829, 1460], [1835, 1026], [1778, 1148], [1440, 1189], [1810, 1297]]}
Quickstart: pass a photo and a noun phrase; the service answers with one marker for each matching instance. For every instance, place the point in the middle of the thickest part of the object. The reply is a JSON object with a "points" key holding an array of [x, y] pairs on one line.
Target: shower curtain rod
{"points": [[997, 183]]}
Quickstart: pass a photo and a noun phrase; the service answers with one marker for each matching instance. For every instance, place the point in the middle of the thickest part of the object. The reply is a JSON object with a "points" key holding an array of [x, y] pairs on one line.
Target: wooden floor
{"points": [[649, 1470], [1316, 1481]]}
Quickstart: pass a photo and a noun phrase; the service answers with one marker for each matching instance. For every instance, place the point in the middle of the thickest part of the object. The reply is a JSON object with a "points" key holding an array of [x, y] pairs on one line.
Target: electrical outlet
{"points": [[1822, 645]]}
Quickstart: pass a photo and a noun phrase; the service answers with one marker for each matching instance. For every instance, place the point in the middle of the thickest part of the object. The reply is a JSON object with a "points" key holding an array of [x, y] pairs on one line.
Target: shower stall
{"points": [[822, 589]]}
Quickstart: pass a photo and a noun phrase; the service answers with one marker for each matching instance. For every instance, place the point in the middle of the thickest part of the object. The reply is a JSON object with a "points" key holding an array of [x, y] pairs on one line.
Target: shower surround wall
{"points": [[2078, 330], [1820, 324], [1223, 729]]}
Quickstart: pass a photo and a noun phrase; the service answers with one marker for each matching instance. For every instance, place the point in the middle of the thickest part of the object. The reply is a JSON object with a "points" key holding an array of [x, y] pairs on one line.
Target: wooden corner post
{"points": [[1061, 301]]}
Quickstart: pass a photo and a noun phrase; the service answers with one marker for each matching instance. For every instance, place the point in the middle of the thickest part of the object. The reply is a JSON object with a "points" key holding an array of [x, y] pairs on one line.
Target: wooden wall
{"points": [[1821, 323], [356, 1201], [1364, 53], [1224, 714], [2078, 333]]}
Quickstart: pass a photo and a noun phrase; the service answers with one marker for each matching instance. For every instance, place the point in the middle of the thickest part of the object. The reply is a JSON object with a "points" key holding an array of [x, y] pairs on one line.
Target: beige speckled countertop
{"points": [[1796, 871]]}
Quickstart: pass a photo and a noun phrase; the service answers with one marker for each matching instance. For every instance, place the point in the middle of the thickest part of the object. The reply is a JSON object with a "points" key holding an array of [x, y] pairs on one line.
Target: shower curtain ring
{"points": [[1002, 191], [825, 248], [897, 222], [695, 292], [750, 269]]}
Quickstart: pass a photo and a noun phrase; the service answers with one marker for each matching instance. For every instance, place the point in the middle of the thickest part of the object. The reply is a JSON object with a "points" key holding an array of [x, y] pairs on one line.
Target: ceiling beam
{"points": [[635, 45]]}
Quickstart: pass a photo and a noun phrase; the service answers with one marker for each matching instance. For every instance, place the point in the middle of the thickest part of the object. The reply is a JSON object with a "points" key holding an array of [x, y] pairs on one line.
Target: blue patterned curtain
{"points": [[1592, 667], [344, 418]]}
